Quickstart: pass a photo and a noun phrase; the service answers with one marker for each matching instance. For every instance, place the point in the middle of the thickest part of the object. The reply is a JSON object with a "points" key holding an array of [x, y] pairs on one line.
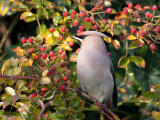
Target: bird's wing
{"points": [[115, 94]]}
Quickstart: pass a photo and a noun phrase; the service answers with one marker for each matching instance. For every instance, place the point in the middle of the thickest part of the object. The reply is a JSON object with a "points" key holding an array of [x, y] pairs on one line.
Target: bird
{"points": [[94, 68]]}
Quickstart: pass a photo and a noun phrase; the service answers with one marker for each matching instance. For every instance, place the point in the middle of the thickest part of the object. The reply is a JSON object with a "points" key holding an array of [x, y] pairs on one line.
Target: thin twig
{"points": [[47, 104], [19, 77]]}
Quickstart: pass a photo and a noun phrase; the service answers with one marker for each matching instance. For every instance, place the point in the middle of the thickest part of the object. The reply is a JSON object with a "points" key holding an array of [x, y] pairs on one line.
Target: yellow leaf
{"points": [[116, 44], [20, 52], [26, 61], [131, 37], [45, 80], [5, 66], [73, 58], [17, 70], [108, 39], [4, 8], [44, 73]]}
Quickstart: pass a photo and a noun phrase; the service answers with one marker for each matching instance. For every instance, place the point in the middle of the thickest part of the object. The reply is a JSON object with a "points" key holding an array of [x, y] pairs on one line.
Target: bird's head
{"points": [[84, 35]]}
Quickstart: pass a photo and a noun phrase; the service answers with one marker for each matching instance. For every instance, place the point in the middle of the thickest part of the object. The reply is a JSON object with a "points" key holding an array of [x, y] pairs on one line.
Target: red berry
{"points": [[65, 14], [61, 37], [23, 39], [79, 31], [122, 37], [71, 43], [87, 19], [95, 27], [149, 42], [154, 7], [82, 14], [71, 16], [63, 65], [125, 10], [30, 40], [93, 22], [83, 4], [51, 29], [81, 27], [133, 30], [74, 12], [101, 8], [42, 49], [54, 57], [53, 68], [104, 21], [153, 48], [36, 57], [43, 90], [143, 34], [60, 51], [44, 56], [157, 29], [94, 9], [147, 14], [63, 87], [63, 29], [151, 15], [109, 54], [31, 67], [138, 20], [33, 95], [109, 10], [65, 78], [63, 56], [75, 24], [51, 53], [130, 5], [31, 50], [136, 14]]}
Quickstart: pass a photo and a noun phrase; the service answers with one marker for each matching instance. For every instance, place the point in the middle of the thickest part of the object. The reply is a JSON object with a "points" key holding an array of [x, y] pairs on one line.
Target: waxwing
{"points": [[94, 68]]}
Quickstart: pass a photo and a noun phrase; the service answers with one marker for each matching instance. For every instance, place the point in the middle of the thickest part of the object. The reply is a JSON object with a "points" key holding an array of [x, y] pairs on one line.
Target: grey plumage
{"points": [[94, 68]]}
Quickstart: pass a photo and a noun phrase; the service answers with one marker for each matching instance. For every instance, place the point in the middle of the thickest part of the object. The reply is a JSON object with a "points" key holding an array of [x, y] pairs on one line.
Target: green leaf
{"points": [[48, 4], [123, 62], [72, 95], [56, 20], [62, 8], [58, 100], [49, 95], [43, 29], [1, 103], [28, 16], [139, 61], [129, 77], [57, 116], [42, 12], [19, 84], [157, 87], [10, 91], [136, 43], [7, 102], [156, 115], [151, 96]]}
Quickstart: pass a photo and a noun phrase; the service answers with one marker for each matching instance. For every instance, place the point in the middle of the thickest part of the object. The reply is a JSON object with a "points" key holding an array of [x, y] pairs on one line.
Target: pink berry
{"points": [[125, 10], [71, 43], [44, 56], [147, 14], [60, 51], [122, 37], [62, 56], [42, 49], [65, 14], [130, 5], [109, 10], [157, 29], [104, 21], [65, 78], [23, 40], [63, 87], [81, 27], [74, 12], [51, 53], [95, 27], [43, 90], [154, 7], [153, 48], [51, 29], [79, 31], [63, 29], [149, 42], [87, 19], [30, 40], [82, 14], [33, 95], [75, 24], [133, 30], [36, 57]]}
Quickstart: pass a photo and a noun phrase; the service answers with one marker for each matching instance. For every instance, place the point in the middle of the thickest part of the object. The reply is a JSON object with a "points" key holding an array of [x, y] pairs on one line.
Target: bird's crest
{"points": [[92, 33]]}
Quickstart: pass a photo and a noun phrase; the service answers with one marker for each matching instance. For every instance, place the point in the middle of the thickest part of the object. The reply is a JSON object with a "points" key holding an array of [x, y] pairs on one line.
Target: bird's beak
{"points": [[76, 38]]}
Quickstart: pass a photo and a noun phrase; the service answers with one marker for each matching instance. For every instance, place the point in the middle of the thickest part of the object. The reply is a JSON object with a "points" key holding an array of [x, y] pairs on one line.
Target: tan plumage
{"points": [[94, 68]]}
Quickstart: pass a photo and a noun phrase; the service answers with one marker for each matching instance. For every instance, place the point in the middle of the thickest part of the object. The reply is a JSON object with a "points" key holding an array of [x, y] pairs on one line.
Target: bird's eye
{"points": [[82, 37]]}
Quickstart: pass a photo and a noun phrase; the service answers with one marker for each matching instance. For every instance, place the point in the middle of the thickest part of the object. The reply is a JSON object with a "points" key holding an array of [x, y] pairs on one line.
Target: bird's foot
{"points": [[104, 107], [78, 91]]}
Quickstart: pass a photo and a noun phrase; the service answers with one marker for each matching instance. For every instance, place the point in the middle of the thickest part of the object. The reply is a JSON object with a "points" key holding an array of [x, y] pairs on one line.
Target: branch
{"points": [[19, 77], [47, 104], [96, 102]]}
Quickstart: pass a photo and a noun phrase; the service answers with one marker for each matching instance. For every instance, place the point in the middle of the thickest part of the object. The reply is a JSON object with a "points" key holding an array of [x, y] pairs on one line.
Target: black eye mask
{"points": [[82, 37]]}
